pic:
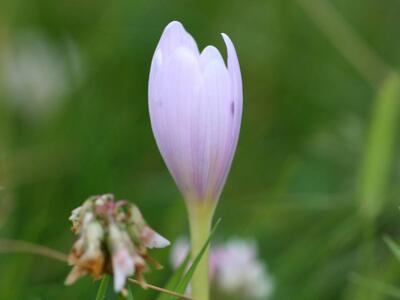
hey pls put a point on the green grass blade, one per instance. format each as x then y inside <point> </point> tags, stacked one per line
<point>379,151</point>
<point>376,285</point>
<point>173,282</point>
<point>130,294</point>
<point>393,246</point>
<point>102,291</point>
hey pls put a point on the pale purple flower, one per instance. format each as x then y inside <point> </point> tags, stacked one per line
<point>195,104</point>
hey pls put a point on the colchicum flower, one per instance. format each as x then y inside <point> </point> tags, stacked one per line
<point>195,104</point>
<point>113,238</point>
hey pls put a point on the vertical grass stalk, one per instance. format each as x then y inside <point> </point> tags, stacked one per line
<point>376,165</point>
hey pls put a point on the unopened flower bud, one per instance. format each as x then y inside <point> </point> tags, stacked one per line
<point>195,105</point>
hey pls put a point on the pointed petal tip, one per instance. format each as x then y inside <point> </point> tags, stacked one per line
<point>224,35</point>
<point>175,35</point>
<point>227,40</point>
<point>233,61</point>
<point>174,25</point>
<point>231,51</point>
<point>174,28</point>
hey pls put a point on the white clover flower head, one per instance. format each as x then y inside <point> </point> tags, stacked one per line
<point>235,268</point>
<point>113,237</point>
<point>240,271</point>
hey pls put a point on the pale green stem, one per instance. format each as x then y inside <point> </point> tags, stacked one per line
<point>200,218</point>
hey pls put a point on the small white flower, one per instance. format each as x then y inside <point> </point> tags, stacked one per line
<point>240,271</point>
<point>235,268</point>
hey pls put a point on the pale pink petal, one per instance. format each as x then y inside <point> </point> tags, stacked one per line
<point>123,267</point>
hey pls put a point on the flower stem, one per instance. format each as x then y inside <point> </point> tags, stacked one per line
<point>200,217</point>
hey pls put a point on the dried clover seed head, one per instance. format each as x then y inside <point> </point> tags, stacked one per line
<point>113,237</point>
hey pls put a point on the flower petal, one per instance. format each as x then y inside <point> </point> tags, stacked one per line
<point>173,94</point>
<point>237,88</point>
<point>217,119</point>
<point>237,102</point>
<point>123,267</point>
<point>175,36</point>
<point>209,54</point>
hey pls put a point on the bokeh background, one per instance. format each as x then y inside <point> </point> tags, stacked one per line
<point>316,175</point>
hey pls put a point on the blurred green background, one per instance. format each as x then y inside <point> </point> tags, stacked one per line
<point>316,174</point>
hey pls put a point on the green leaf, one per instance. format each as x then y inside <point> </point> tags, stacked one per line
<point>101,293</point>
<point>172,284</point>
<point>128,297</point>
<point>189,274</point>
<point>130,294</point>
<point>378,157</point>
<point>393,246</point>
